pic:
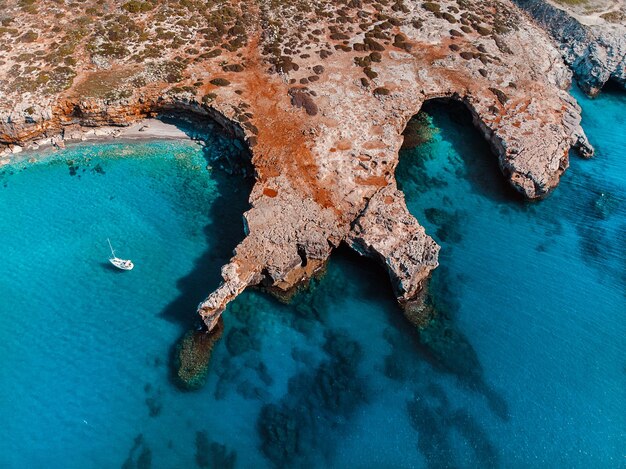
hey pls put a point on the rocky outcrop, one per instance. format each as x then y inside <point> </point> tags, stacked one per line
<point>386,231</point>
<point>323,112</point>
<point>594,47</point>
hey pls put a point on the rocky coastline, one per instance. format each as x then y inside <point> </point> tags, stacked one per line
<point>323,114</point>
<point>593,45</point>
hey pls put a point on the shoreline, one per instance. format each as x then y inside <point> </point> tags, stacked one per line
<point>141,130</point>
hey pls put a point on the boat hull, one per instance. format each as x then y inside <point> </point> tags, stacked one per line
<point>122,264</point>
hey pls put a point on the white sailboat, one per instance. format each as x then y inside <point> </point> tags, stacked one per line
<point>122,264</point>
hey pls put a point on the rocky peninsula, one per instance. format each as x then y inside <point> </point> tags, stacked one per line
<point>321,93</point>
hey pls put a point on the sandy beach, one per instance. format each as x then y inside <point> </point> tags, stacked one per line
<point>145,129</point>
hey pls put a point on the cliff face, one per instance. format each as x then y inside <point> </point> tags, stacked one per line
<point>593,45</point>
<point>320,91</point>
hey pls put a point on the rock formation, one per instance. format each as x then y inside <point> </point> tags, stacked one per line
<point>591,37</point>
<point>320,91</point>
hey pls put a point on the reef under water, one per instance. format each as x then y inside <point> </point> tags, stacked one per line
<point>522,364</point>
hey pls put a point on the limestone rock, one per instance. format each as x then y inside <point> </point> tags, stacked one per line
<point>387,231</point>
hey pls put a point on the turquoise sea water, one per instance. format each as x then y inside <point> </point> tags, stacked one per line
<point>524,367</point>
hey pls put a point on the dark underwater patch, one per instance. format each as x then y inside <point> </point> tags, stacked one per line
<point>210,454</point>
<point>450,351</point>
<point>297,430</point>
<point>419,130</point>
<point>241,340</point>
<point>412,175</point>
<point>435,418</point>
<point>190,357</point>
<point>449,224</point>
<point>427,418</point>
<point>98,169</point>
<point>441,345</point>
<point>139,456</point>
<point>242,369</point>
<point>154,400</point>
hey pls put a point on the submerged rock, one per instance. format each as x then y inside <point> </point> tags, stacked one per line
<point>419,312</point>
<point>241,340</point>
<point>419,130</point>
<point>139,456</point>
<point>212,455</point>
<point>192,356</point>
<point>449,348</point>
<point>449,224</point>
<point>439,423</point>
<point>318,401</point>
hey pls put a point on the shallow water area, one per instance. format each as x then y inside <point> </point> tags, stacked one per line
<point>523,367</point>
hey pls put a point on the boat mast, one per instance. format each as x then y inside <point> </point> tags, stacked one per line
<point>112,251</point>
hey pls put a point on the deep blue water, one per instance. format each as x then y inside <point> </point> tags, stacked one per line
<point>525,365</point>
